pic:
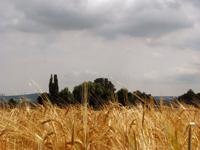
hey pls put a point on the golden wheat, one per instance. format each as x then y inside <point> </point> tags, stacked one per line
<point>112,128</point>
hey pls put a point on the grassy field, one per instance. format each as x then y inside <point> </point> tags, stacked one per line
<point>112,128</point>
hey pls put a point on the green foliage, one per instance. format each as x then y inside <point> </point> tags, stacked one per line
<point>66,96</point>
<point>44,98</point>
<point>142,95</point>
<point>62,98</point>
<point>99,92</point>
<point>53,86</point>
<point>105,83</point>
<point>190,98</point>
<point>12,103</point>
<point>125,97</point>
<point>95,91</point>
<point>108,88</point>
<point>146,97</point>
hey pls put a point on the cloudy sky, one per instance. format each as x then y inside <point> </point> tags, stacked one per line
<point>147,45</point>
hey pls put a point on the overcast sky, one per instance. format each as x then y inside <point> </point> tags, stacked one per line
<point>147,45</point>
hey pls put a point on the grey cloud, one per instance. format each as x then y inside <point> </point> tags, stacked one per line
<point>140,19</point>
<point>192,42</point>
<point>149,19</point>
<point>195,3</point>
<point>65,19</point>
<point>179,80</point>
<point>173,4</point>
<point>155,21</point>
<point>47,16</point>
<point>180,40</point>
<point>187,78</point>
<point>154,26</point>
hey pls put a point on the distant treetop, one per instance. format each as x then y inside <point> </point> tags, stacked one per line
<point>190,98</point>
<point>53,85</point>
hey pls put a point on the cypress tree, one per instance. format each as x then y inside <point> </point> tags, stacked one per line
<point>53,86</point>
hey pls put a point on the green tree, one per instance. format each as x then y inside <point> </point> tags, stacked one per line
<point>54,96</point>
<point>54,92</point>
<point>12,103</point>
<point>44,98</point>
<point>147,98</point>
<point>95,92</point>
<point>66,96</point>
<point>190,98</point>
<point>198,96</point>
<point>53,86</point>
<point>108,88</point>
<point>105,83</point>
<point>125,97</point>
<point>122,96</point>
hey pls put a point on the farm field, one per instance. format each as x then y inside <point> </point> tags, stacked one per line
<point>114,127</point>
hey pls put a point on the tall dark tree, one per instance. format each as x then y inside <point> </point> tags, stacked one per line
<point>53,86</point>
<point>122,96</point>
<point>53,95</point>
<point>61,99</point>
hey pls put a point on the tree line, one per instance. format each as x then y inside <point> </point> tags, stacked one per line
<point>190,98</point>
<point>99,92</point>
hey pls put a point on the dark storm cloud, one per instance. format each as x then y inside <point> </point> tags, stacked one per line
<point>156,25</point>
<point>47,16</point>
<point>150,19</point>
<point>195,3</point>
<point>65,19</point>
<point>137,19</point>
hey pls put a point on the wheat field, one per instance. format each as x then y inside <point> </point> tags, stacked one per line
<point>114,127</point>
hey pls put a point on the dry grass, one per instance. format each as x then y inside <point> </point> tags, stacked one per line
<point>113,127</point>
